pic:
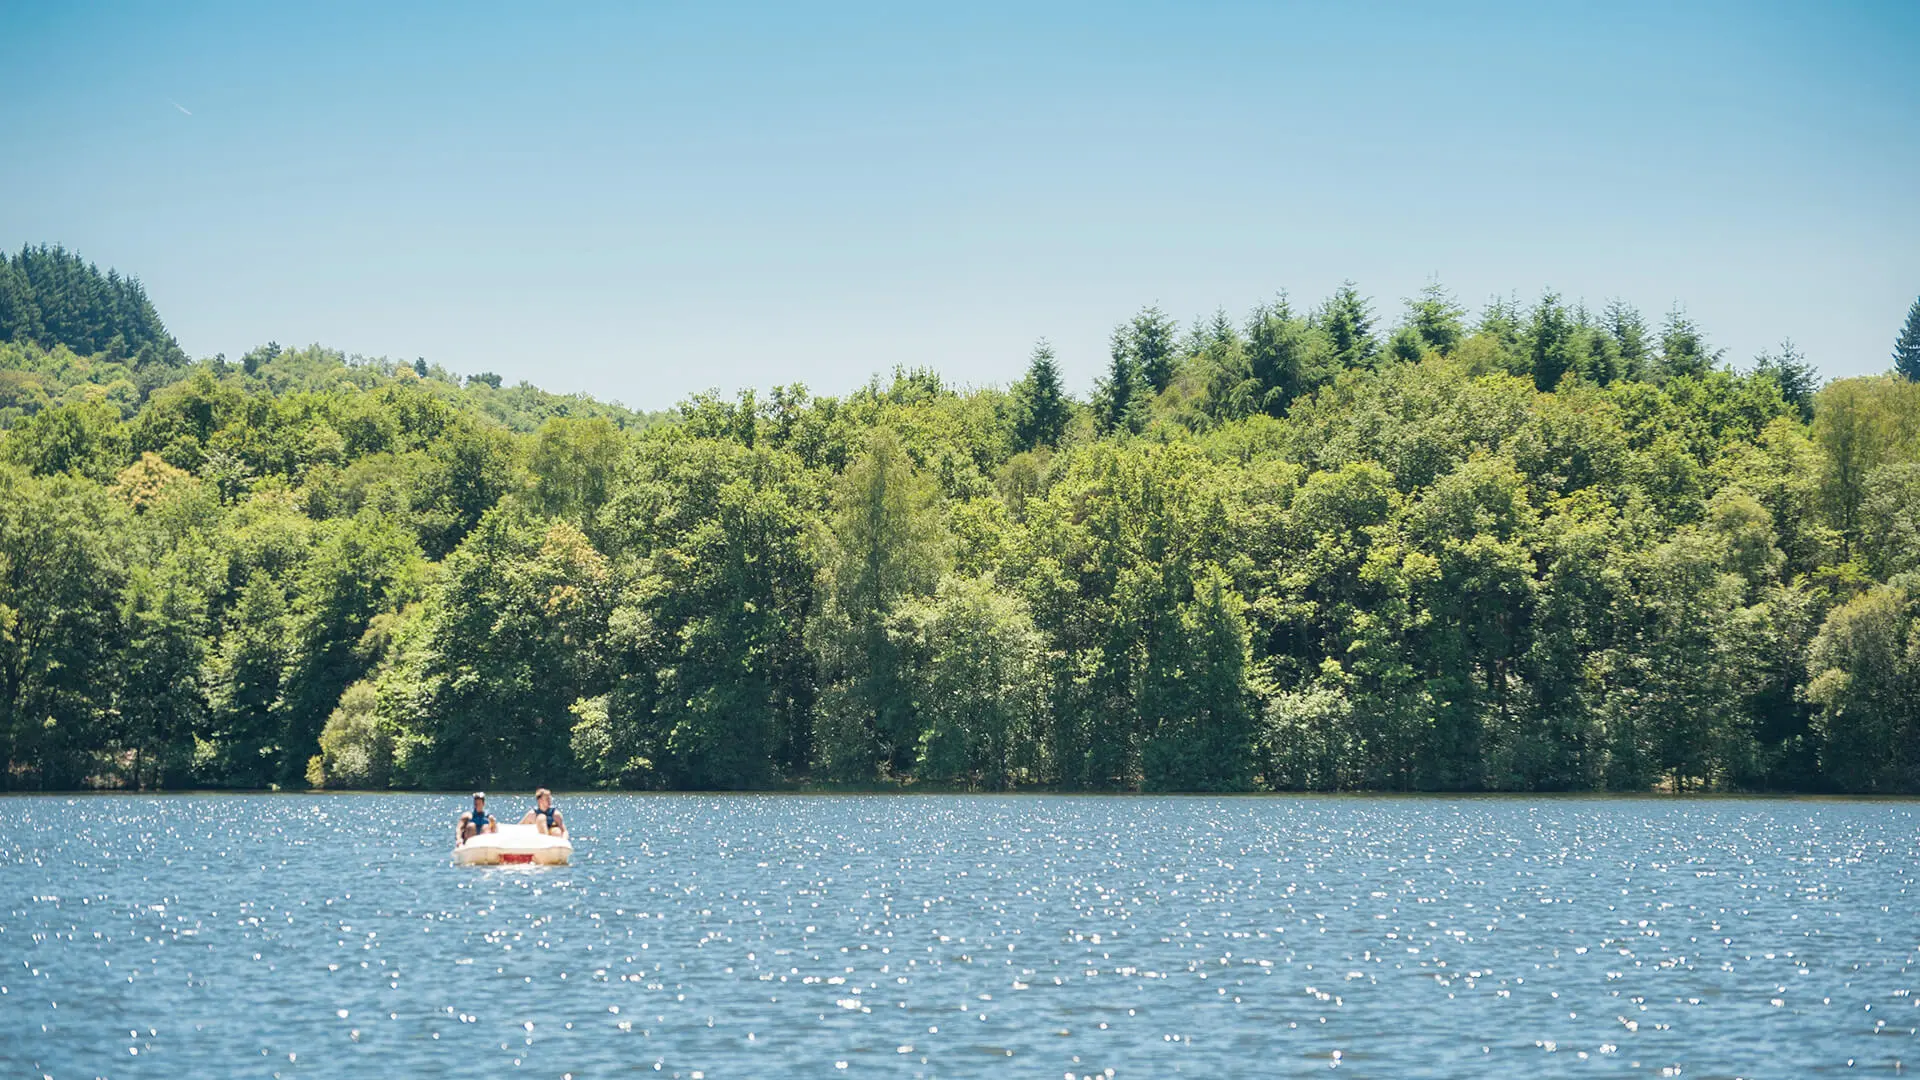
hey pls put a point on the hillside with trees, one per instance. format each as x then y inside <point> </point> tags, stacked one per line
<point>1538,548</point>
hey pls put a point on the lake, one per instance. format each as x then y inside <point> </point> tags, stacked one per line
<point>1047,936</point>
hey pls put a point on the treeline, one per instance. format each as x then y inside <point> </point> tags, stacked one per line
<point>1538,549</point>
<point>50,296</point>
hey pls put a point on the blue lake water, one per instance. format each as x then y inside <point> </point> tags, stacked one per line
<point>722,936</point>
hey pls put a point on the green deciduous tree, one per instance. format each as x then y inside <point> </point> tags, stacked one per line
<point>61,576</point>
<point>1866,688</point>
<point>1861,424</point>
<point>981,691</point>
<point>1890,520</point>
<point>1205,740</point>
<point>360,568</point>
<point>515,635</point>
<point>1560,552</point>
<point>712,683</point>
<point>244,677</point>
<point>573,464</point>
<point>886,547</point>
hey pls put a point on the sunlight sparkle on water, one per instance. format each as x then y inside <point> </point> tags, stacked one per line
<point>933,935</point>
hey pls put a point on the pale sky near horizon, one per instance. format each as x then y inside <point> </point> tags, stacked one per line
<point>645,200</point>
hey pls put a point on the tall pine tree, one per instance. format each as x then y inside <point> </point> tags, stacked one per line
<point>1683,348</point>
<point>1790,371</point>
<point>1629,332</point>
<point>1152,336</point>
<point>1906,348</point>
<point>1436,317</point>
<point>1347,320</point>
<point>1277,356</point>
<point>1040,406</point>
<point>1550,341</point>
<point>1120,399</point>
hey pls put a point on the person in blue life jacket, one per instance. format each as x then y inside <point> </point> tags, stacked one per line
<point>544,816</point>
<point>477,821</point>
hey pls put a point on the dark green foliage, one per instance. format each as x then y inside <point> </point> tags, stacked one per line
<point>1550,342</point>
<point>51,297</point>
<point>1790,371</point>
<point>19,313</point>
<point>1121,400</point>
<point>1040,407</point>
<point>980,689</point>
<point>61,577</point>
<point>1866,685</point>
<point>1906,347</point>
<point>711,681</point>
<point>884,551</point>
<point>1150,340</point>
<point>1543,555</point>
<point>1347,320</point>
<point>359,569</point>
<point>1218,355</point>
<point>1501,322</point>
<point>512,638</point>
<point>1205,741</point>
<point>1629,333</point>
<point>244,679</point>
<point>1280,358</point>
<point>1683,350</point>
<point>1436,319</point>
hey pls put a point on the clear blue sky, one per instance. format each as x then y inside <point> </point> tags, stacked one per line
<point>643,200</point>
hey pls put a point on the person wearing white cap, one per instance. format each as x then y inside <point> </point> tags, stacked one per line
<point>476,821</point>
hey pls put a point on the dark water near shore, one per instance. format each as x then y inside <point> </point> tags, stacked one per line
<point>933,935</point>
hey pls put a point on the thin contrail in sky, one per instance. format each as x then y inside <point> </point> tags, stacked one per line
<point>179,106</point>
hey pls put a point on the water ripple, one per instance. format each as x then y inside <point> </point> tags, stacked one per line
<point>1046,936</point>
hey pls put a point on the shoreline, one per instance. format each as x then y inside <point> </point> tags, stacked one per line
<point>1030,793</point>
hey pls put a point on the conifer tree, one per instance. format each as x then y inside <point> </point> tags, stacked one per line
<point>1152,336</point>
<point>19,315</point>
<point>1120,399</point>
<point>1790,371</point>
<point>1220,355</point>
<point>1550,342</point>
<point>52,297</point>
<point>1629,332</point>
<point>1277,356</point>
<point>1596,353</point>
<point>1347,320</point>
<point>1906,348</point>
<point>1683,348</point>
<point>1040,407</point>
<point>1500,320</point>
<point>1435,316</point>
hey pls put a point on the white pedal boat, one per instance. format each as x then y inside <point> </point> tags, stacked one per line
<point>515,844</point>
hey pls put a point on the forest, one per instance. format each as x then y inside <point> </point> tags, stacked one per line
<point>1536,547</point>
